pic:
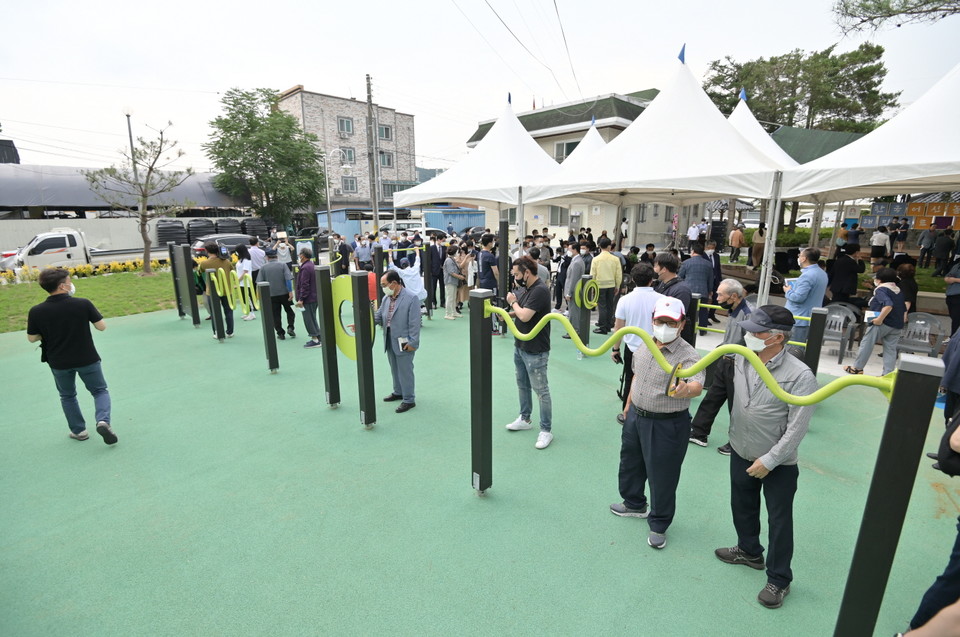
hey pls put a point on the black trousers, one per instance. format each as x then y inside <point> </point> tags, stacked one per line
<point>437,282</point>
<point>945,590</point>
<point>653,450</point>
<point>627,354</point>
<point>925,255</point>
<point>606,306</point>
<point>778,488</point>
<point>282,300</point>
<point>953,308</point>
<point>721,391</point>
<point>558,290</point>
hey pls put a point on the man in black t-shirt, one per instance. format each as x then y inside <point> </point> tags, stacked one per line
<point>529,306</point>
<point>62,325</point>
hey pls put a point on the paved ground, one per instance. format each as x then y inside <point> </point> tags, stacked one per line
<point>236,503</point>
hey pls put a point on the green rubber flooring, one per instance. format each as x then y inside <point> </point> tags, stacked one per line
<point>237,503</point>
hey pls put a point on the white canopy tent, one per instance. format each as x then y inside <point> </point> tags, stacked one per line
<point>491,174</point>
<point>918,150</point>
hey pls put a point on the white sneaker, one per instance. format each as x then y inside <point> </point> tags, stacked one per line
<point>544,440</point>
<point>520,424</point>
<point>450,318</point>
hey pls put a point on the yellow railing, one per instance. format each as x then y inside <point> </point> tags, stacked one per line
<point>883,383</point>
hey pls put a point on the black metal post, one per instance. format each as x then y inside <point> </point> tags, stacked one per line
<point>269,330</point>
<point>818,323</point>
<point>481,392</point>
<point>187,266</point>
<point>503,259</point>
<point>316,250</point>
<point>216,310</point>
<point>331,373</point>
<point>691,326</point>
<point>172,252</point>
<point>364,334</point>
<point>901,447</point>
<point>378,255</point>
<point>583,329</point>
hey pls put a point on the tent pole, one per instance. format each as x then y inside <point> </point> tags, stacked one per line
<point>836,229</point>
<point>815,224</point>
<point>773,214</point>
<point>521,221</point>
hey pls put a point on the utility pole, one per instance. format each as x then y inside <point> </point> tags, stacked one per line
<point>374,153</point>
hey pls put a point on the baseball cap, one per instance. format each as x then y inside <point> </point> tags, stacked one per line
<point>769,317</point>
<point>668,307</point>
<point>271,252</point>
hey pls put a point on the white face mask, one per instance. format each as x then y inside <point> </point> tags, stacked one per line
<point>570,253</point>
<point>583,252</point>
<point>665,333</point>
<point>72,290</point>
<point>709,253</point>
<point>754,343</point>
<point>386,291</point>
<point>800,263</point>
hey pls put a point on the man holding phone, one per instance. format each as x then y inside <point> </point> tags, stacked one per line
<point>399,314</point>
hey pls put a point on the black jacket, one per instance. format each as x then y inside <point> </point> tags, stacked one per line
<point>843,276</point>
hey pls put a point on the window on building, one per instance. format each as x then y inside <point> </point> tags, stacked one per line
<point>559,216</point>
<point>345,125</point>
<point>386,159</point>
<point>349,155</point>
<point>349,184</point>
<point>562,150</point>
<point>512,216</point>
<point>389,188</point>
<point>385,132</point>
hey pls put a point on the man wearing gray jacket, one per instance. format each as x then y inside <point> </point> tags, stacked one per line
<point>575,271</point>
<point>765,433</point>
<point>399,314</point>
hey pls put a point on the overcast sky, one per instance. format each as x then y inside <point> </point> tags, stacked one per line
<point>70,69</point>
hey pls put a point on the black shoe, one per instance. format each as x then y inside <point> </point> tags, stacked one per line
<point>734,555</point>
<point>281,336</point>
<point>933,456</point>
<point>291,333</point>
<point>772,596</point>
<point>392,397</point>
<point>405,407</point>
<point>714,320</point>
<point>103,428</point>
<point>600,330</point>
<point>700,441</point>
<point>725,450</point>
<point>567,336</point>
<point>936,465</point>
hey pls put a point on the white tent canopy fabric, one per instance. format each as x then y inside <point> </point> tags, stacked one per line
<point>581,157</point>
<point>916,151</point>
<point>680,150</point>
<point>491,174</point>
<point>747,125</point>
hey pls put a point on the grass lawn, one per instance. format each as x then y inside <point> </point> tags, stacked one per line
<point>114,295</point>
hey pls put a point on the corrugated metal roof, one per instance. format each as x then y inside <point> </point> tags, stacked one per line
<point>936,197</point>
<point>807,144</point>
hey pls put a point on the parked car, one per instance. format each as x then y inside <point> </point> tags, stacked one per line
<point>311,232</point>
<point>473,232</point>
<point>411,228</point>
<point>229,240</point>
<point>60,247</point>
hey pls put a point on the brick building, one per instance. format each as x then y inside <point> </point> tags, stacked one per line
<point>341,123</point>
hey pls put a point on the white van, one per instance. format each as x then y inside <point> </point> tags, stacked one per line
<point>829,218</point>
<point>60,247</point>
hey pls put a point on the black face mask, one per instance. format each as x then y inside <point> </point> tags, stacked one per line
<point>726,306</point>
<point>521,283</point>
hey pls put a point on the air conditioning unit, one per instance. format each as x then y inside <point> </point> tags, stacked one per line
<point>338,191</point>
<point>344,135</point>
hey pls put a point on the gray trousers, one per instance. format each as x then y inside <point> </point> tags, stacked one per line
<point>401,368</point>
<point>574,314</point>
<point>884,334</point>
<point>310,320</point>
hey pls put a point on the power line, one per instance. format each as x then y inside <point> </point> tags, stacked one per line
<point>492,48</point>
<point>542,63</point>
<point>138,88</point>
<point>565,46</point>
<point>79,130</point>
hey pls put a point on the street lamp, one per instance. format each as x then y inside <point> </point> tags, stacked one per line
<point>133,160</point>
<point>345,169</point>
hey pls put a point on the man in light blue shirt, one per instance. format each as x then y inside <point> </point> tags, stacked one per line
<point>806,292</point>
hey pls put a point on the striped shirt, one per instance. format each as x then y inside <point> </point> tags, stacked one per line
<point>650,381</point>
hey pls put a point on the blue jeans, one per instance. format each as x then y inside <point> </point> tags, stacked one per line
<point>532,374</point>
<point>92,377</point>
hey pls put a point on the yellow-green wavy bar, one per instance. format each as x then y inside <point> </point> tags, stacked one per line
<point>883,383</point>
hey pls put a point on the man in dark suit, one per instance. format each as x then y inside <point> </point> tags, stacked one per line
<point>842,281</point>
<point>437,256</point>
<point>711,255</point>
<point>399,314</point>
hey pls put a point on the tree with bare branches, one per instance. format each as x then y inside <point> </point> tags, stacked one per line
<point>870,15</point>
<point>138,183</point>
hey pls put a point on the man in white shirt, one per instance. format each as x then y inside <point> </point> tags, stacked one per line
<point>257,257</point>
<point>693,233</point>
<point>634,310</point>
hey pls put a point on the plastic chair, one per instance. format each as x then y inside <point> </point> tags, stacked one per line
<point>841,323</point>
<point>922,333</point>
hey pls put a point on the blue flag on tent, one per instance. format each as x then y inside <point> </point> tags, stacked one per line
<point>593,120</point>
<point>683,54</point>
<point>743,94</point>
<point>509,99</point>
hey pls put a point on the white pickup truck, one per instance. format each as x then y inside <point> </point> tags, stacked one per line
<point>59,247</point>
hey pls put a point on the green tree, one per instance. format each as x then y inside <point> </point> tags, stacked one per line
<point>870,15</point>
<point>262,153</point>
<point>138,183</point>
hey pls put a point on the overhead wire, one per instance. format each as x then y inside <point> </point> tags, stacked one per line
<point>93,84</point>
<point>567,47</point>
<point>492,48</point>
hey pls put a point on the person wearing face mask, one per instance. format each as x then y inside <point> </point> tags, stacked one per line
<point>732,297</point>
<point>607,271</point>
<point>575,271</point>
<point>765,433</point>
<point>564,257</point>
<point>649,255</point>
<point>885,327</point>
<point>807,291</point>
<point>363,254</point>
<point>697,273</point>
<point>62,326</point>
<point>399,314</point>
<point>653,442</point>
<point>530,358</point>
<point>669,284</point>
<point>710,254</point>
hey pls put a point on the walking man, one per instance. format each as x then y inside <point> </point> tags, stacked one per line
<point>399,314</point>
<point>653,442</point>
<point>62,326</point>
<point>281,292</point>
<point>608,273</point>
<point>530,358</point>
<point>307,297</point>
<point>765,433</point>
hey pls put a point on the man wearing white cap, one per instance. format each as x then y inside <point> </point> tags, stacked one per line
<point>654,438</point>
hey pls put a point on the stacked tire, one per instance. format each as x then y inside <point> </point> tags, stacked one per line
<point>170,230</point>
<point>256,227</point>
<point>197,228</point>
<point>228,226</point>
